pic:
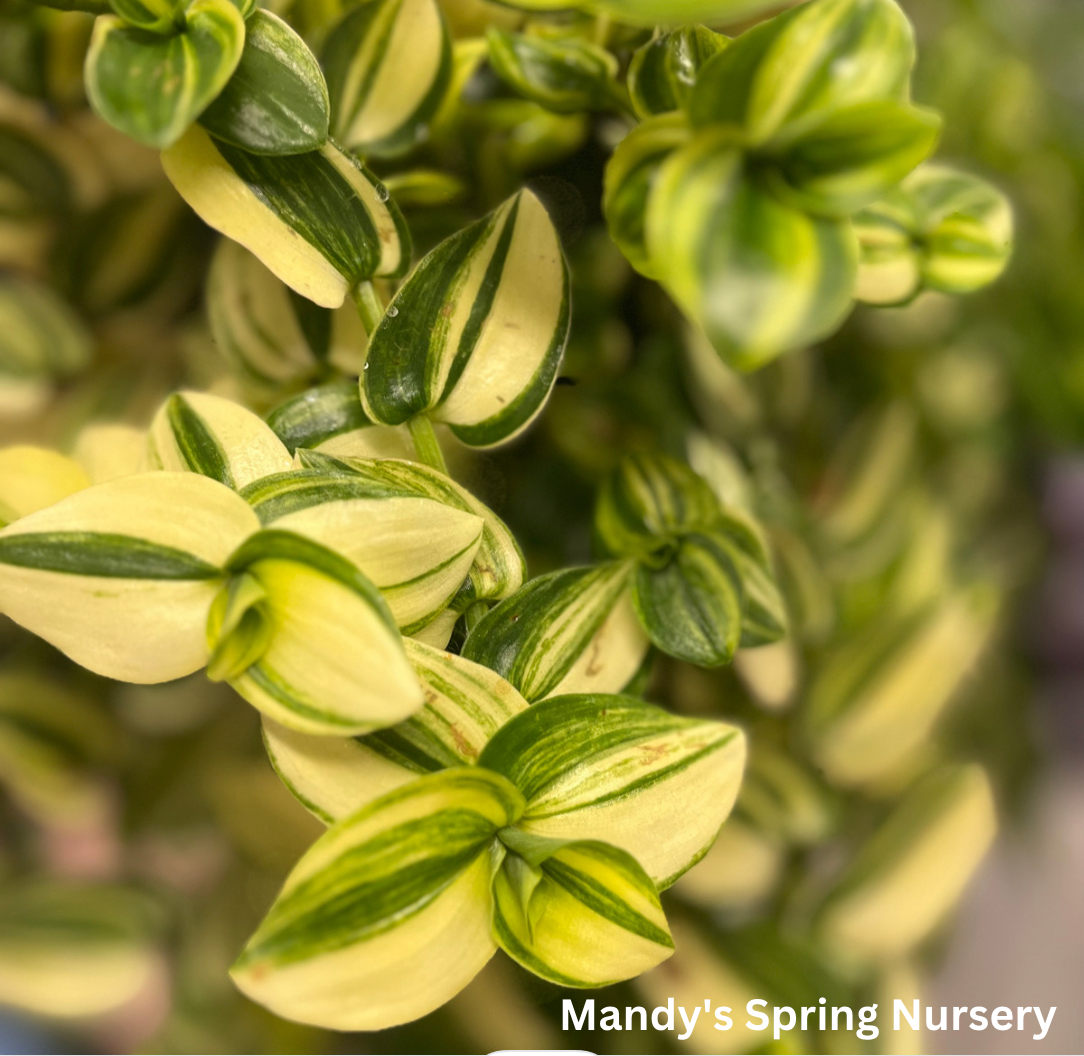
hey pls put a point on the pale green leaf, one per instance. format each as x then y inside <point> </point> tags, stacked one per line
<point>32,478</point>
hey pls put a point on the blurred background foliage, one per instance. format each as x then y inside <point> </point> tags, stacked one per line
<point>900,470</point>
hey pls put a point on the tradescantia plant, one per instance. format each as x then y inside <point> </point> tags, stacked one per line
<point>477,740</point>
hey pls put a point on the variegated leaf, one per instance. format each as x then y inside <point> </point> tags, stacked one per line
<point>201,433</point>
<point>107,450</point>
<point>877,698</point>
<point>388,915</point>
<point>329,419</point>
<point>563,75</point>
<point>389,65</point>
<point>648,500</point>
<point>764,612</point>
<point>692,605</point>
<point>630,177</point>
<point>121,576</point>
<point>713,226</point>
<point>580,913</point>
<point>40,335</point>
<point>853,155</point>
<point>890,264</point>
<point>906,879</point>
<point>475,335</point>
<point>816,58</point>
<point>304,637</point>
<point>156,16</point>
<point>320,221</point>
<point>153,86</point>
<point>657,12</point>
<point>465,705</point>
<point>663,72</point>
<point>616,766</point>
<point>498,568</point>
<point>416,547</point>
<point>32,478</point>
<point>276,102</point>
<point>567,631</point>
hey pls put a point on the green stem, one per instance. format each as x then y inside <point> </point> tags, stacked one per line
<point>474,615</point>
<point>426,444</point>
<point>369,305</point>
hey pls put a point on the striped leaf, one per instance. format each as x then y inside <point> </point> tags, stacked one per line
<point>565,76</point>
<point>32,478</point>
<point>155,16</point>
<point>648,500</point>
<point>475,335</point>
<point>580,913</point>
<point>692,606</point>
<point>764,612</point>
<point>465,705</point>
<point>713,226</point>
<point>907,878</point>
<point>416,547</point>
<point>630,176</point>
<point>201,433</point>
<point>268,335</point>
<point>34,180</point>
<point>657,12</point>
<point>942,229</point>
<point>877,699</point>
<point>307,639</point>
<point>40,336</point>
<point>319,221</point>
<point>854,155</point>
<point>152,86</point>
<point>276,102</point>
<point>389,65</point>
<point>600,765</point>
<point>329,419</point>
<point>388,915</point>
<point>794,69</point>
<point>498,568</point>
<point>121,576</point>
<point>663,72</point>
<point>565,632</point>
<point>966,226</point>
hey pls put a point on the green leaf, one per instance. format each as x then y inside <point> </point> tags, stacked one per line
<point>393,903</point>
<point>276,102</point>
<point>630,177</point>
<point>906,879</point>
<point>389,65</point>
<point>854,155</point>
<point>648,500</point>
<point>760,277</point>
<point>333,661</point>
<point>200,433</point>
<point>155,16</point>
<point>563,632</point>
<point>589,916</point>
<point>152,87</point>
<point>318,415</point>
<point>657,12</point>
<point>319,221</point>
<point>608,765</point>
<point>121,576</point>
<point>40,335</point>
<point>890,262</point>
<point>465,705</point>
<point>663,72</point>
<point>474,337</point>
<point>691,607</point>
<point>801,65</point>
<point>965,227</point>
<point>764,612</point>
<point>565,76</point>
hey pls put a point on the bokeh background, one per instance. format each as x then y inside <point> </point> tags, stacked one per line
<point>922,475</point>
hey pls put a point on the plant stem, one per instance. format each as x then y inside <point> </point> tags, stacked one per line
<point>369,305</point>
<point>426,444</point>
